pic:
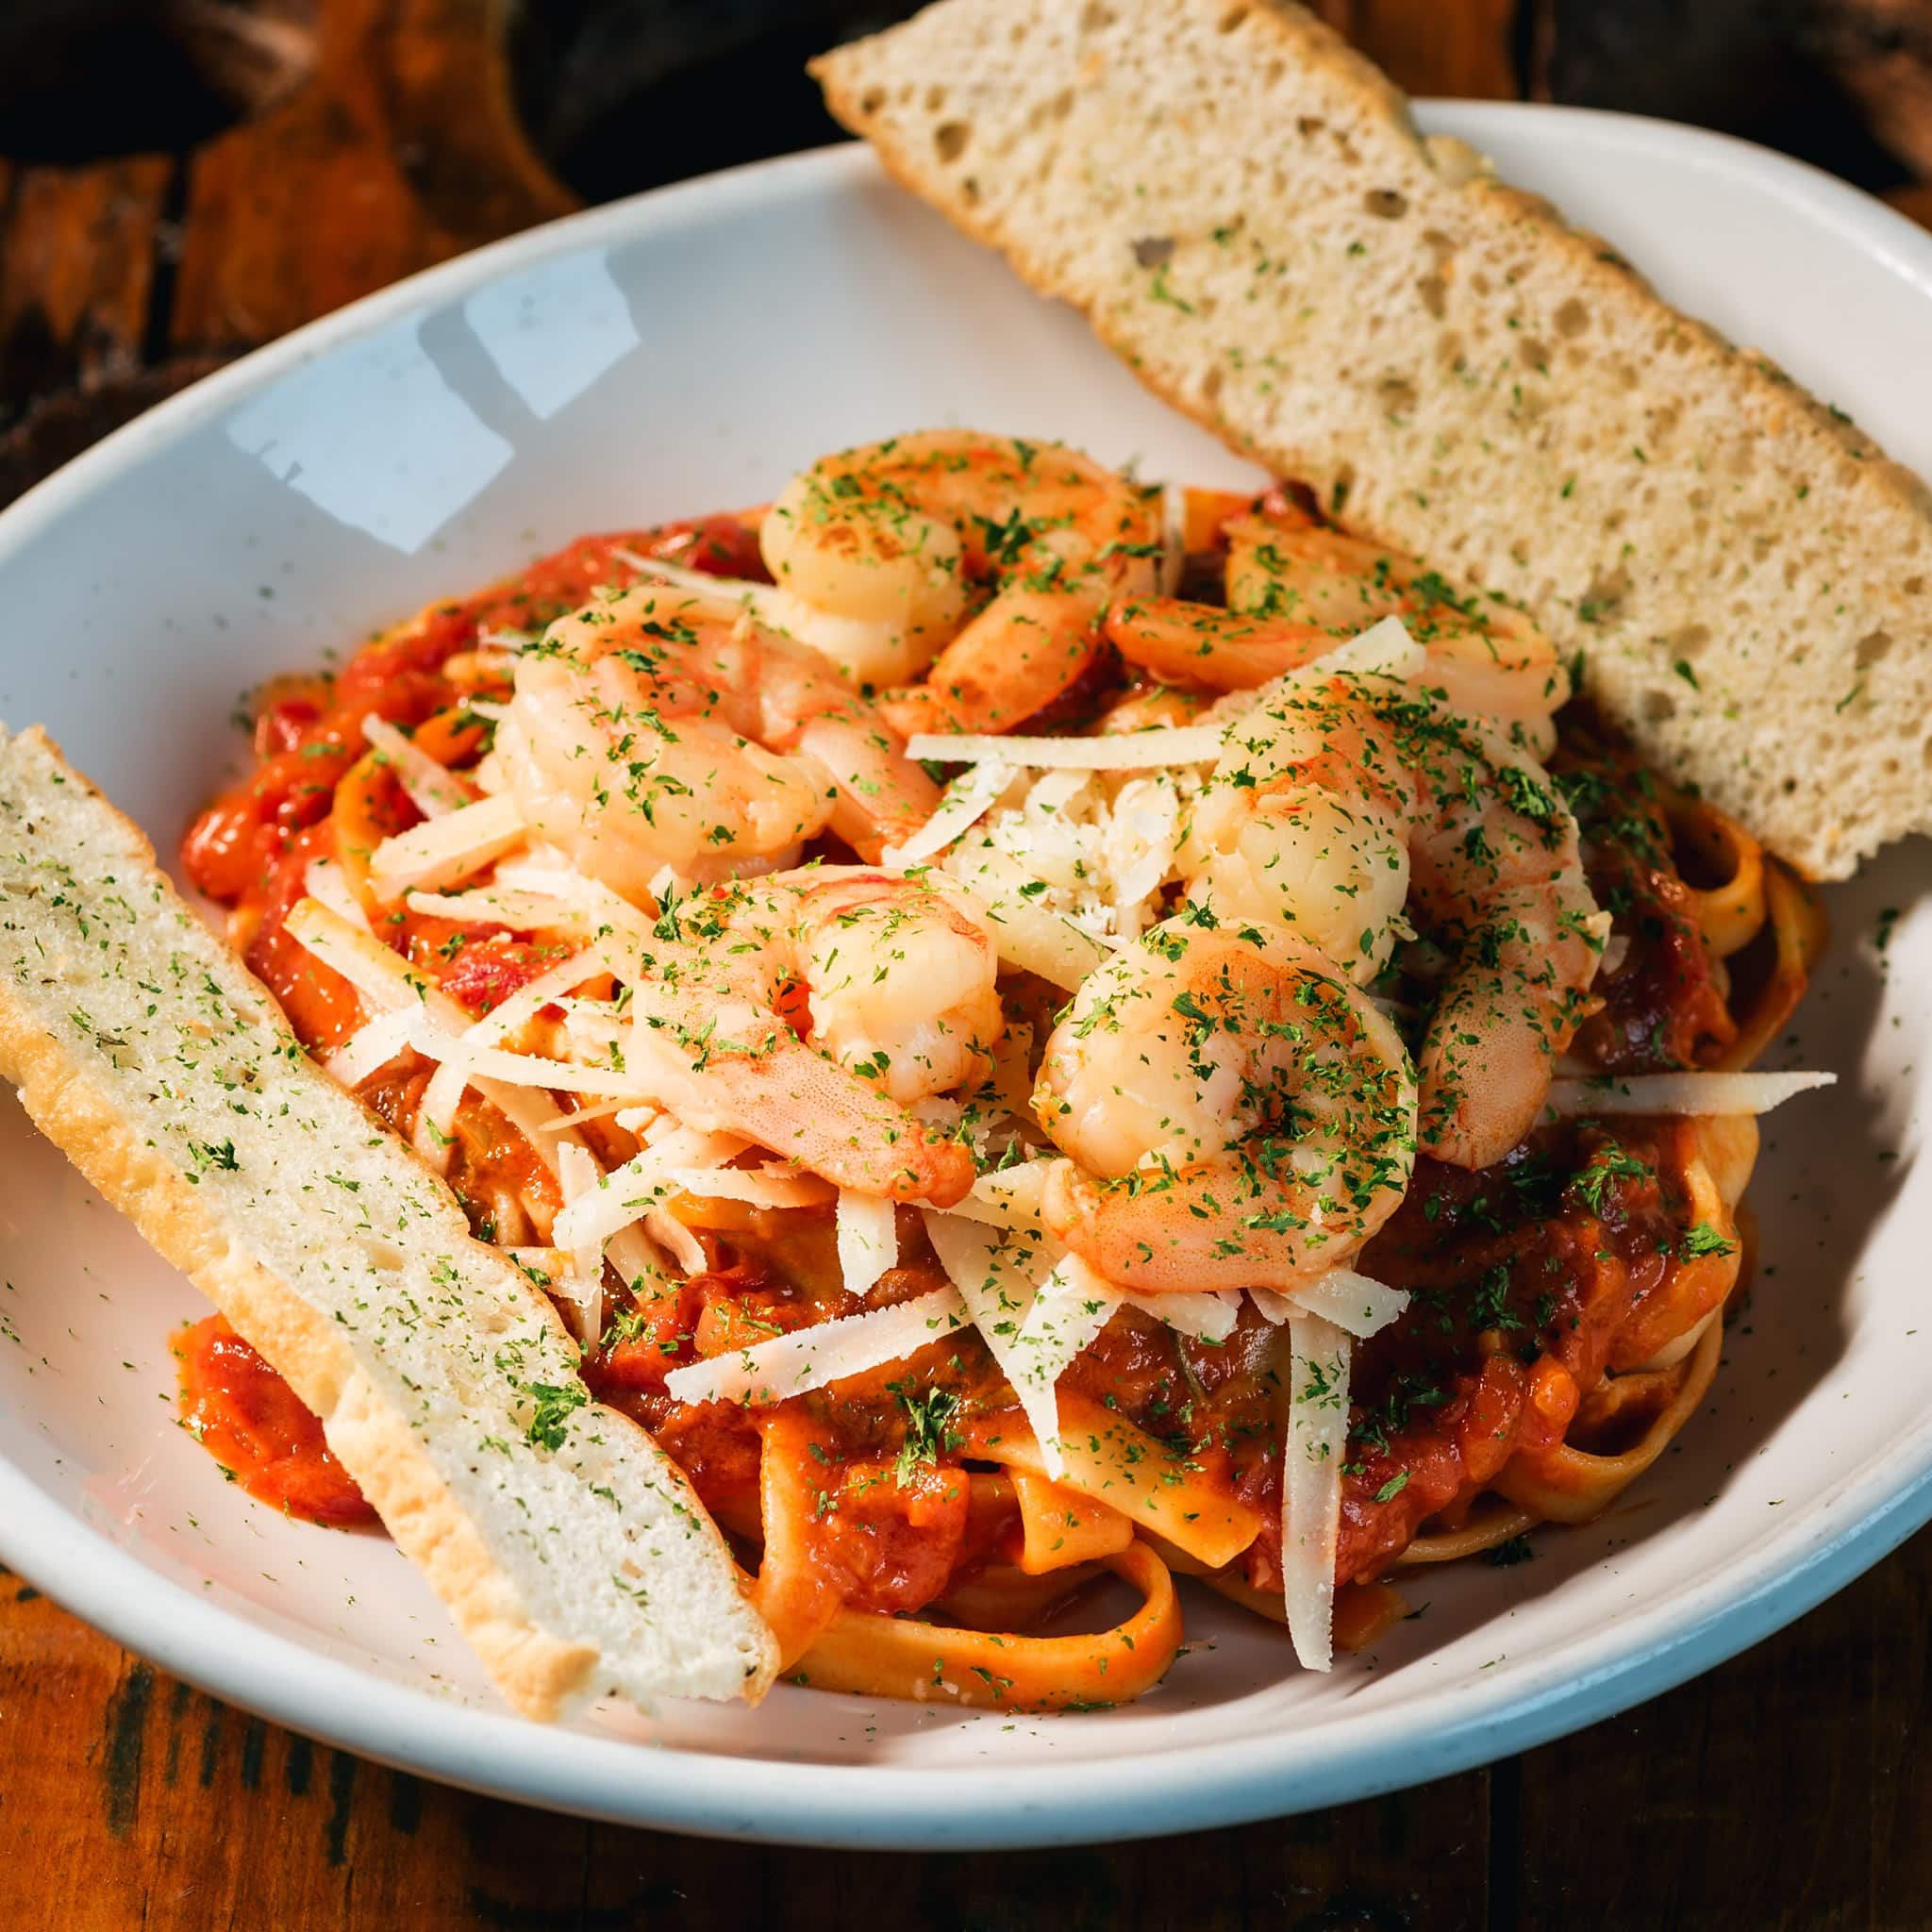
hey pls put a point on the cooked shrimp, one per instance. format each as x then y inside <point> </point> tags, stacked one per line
<point>900,980</point>
<point>1306,823</point>
<point>1499,879</point>
<point>1331,800</point>
<point>1294,588</point>
<point>900,534</point>
<point>659,728</point>
<point>897,982</point>
<point>1235,1113</point>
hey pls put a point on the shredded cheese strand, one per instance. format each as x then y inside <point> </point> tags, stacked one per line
<point>1007,1197</point>
<point>1700,1094</point>
<point>999,1283</point>
<point>1313,1454</point>
<point>369,1049</point>
<point>868,1238</point>
<point>580,1286</point>
<point>521,1068</point>
<point>1205,1317</point>
<point>966,800</point>
<point>440,851</point>
<point>628,1192</point>
<point>327,885</point>
<point>427,785</point>
<point>1179,745</point>
<point>824,1353</point>
<point>1362,1306</point>
<point>760,1187</point>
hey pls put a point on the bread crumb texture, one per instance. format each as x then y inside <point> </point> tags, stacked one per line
<point>1247,214</point>
<point>568,1547</point>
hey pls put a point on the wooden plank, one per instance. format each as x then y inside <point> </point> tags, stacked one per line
<point>143,1802</point>
<point>1788,1789</point>
<point>400,149</point>
<point>177,1812</point>
<point>1915,201</point>
<point>1431,48</point>
<point>77,257</point>
<point>1413,1859</point>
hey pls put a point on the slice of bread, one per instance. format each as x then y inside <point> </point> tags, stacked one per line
<point>568,1547</point>
<point>1244,210</point>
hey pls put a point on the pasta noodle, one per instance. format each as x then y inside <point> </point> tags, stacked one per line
<point>898,1656</point>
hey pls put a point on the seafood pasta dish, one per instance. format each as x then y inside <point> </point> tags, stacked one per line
<point>1041,1033</point>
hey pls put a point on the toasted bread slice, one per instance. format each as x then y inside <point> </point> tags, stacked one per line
<point>568,1547</point>
<point>1245,212</point>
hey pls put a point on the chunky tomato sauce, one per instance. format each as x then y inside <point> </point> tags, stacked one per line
<point>1522,1276</point>
<point>255,1425</point>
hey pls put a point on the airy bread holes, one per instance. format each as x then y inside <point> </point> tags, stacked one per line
<point>1571,319</point>
<point>1386,204</point>
<point>949,140</point>
<point>1606,592</point>
<point>1094,18</point>
<point>1871,648</point>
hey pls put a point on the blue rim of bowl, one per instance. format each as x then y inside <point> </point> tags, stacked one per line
<point>1846,1529</point>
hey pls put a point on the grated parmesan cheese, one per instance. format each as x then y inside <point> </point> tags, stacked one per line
<point>433,791</point>
<point>1313,1455</point>
<point>440,851</point>
<point>1357,1303</point>
<point>1685,1093</point>
<point>868,1236</point>
<point>821,1354</point>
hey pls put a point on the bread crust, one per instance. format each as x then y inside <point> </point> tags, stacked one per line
<point>541,1672</point>
<point>1764,769</point>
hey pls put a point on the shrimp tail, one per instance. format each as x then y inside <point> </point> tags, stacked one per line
<point>1486,1067</point>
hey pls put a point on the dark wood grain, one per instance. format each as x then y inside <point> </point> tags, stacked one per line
<point>1466,49</point>
<point>78,252</point>
<point>365,139</point>
<point>179,1813</point>
<point>1787,1789</point>
<point>399,150</point>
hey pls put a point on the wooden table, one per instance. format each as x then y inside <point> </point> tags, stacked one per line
<point>371,137</point>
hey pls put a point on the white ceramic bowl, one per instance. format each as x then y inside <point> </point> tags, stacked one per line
<point>684,352</point>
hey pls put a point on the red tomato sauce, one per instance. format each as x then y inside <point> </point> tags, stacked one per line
<point>255,1425</point>
<point>1520,1278</point>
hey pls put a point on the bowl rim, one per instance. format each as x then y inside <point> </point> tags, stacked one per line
<point>1845,1530</point>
